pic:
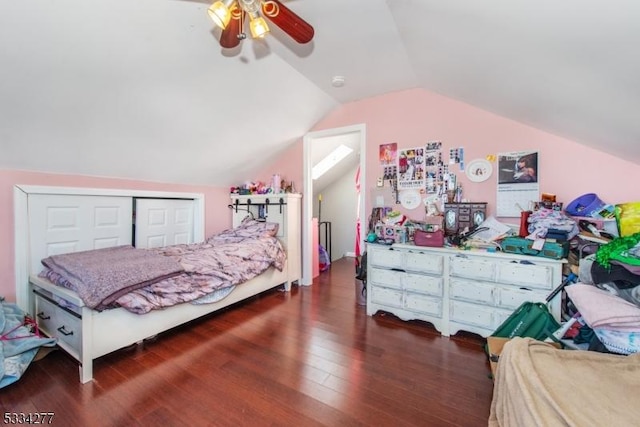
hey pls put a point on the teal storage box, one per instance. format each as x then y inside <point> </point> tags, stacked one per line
<point>522,246</point>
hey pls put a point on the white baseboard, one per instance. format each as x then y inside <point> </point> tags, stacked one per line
<point>350,254</point>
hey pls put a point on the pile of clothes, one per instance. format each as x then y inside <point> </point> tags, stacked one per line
<point>607,296</point>
<point>19,343</point>
<point>544,221</point>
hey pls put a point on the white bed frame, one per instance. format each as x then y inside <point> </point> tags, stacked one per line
<point>87,334</point>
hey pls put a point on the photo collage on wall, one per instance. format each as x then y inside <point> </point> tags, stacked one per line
<point>421,168</point>
<point>436,169</point>
<point>411,168</point>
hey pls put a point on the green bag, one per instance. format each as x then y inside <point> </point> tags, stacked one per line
<point>531,319</point>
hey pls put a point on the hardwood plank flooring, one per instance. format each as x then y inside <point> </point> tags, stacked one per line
<point>311,357</point>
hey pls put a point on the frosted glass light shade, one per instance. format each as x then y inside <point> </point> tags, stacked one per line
<point>258,27</point>
<point>220,14</point>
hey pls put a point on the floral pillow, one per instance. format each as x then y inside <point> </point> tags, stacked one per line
<point>249,228</point>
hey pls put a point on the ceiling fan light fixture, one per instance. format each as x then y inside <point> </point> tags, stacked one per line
<point>220,13</point>
<point>233,15</point>
<point>258,26</point>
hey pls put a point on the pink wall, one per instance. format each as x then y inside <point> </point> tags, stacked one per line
<point>217,216</point>
<point>412,118</point>
<point>288,166</point>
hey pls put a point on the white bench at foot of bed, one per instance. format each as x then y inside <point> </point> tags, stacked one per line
<point>87,334</point>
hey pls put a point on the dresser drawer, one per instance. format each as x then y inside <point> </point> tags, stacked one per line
<point>386,278</point>
<point>386,296</point>
<point>423,284</point>
<point>472,268</point>
<point>527,274</point>
<point>467,290</point>
<point>426,262</point>
<point>511,297</point>
<point>423,304</point>
<point>385,257</point>
<point>472,314</point>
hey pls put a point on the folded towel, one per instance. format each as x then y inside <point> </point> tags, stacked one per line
<point>602,309</point>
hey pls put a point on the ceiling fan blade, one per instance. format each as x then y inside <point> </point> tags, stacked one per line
<point>230,36</point>
<point>289,22</point>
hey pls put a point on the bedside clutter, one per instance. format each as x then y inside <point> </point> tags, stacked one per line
<point>433,239</point>
<point>461,216</point>
<point>523,246</point>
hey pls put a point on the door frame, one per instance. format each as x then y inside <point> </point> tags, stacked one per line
<point>307,200</point>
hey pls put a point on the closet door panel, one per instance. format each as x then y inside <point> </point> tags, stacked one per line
<point>163,222</point>
<point>57,219</point>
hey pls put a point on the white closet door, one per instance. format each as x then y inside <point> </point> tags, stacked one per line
<point>164,222</point>
<point>68,223</point>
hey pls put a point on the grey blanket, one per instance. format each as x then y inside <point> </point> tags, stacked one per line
<point>101,276</point>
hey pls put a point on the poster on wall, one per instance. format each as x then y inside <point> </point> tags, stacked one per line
<point>411,170</point>
<point>456,156</point>
<point>518,186</point>
<point>433,167</point>
<point>388,154</point>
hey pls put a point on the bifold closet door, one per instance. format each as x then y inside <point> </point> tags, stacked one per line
<point>70,223</point>
<point>163,222</point>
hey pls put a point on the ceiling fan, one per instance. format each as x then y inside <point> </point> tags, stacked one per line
<point>231,15</point>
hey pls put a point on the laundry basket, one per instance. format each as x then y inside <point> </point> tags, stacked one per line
<point>586,205</point>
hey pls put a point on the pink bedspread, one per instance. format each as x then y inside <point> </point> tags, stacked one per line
<point>100,276</point>
<point>208,268</point>
<point>222,262</point>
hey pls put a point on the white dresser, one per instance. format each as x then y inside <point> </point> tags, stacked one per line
<point>456,290</point>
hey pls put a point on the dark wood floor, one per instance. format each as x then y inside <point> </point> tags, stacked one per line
<point>306,358</point>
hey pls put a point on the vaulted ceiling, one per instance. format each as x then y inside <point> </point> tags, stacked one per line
<point>90,87</point>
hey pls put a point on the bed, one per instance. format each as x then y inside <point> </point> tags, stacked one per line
<point>537,384</point>
<point>87,333</point>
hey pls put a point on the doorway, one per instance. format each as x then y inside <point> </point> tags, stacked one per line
<point>309,140</point>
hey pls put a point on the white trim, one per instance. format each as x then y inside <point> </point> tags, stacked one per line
<point>82,191</point>
<point>307,205</point>
<point>21,229</point>
<point>21,249</point>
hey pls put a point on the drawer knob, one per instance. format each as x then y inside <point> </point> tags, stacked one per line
<point>42,316</point>
<point>63,331</point>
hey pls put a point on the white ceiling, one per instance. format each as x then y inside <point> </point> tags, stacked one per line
<point>113,82</point>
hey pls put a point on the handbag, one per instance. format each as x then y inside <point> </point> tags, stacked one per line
<point>429,238</point>
<point>531,319</point>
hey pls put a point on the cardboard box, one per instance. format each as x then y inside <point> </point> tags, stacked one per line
<point>495,345</point>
